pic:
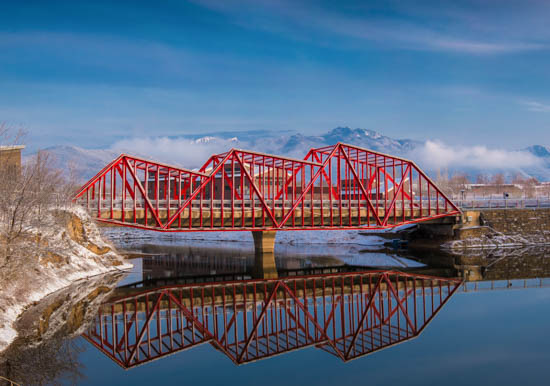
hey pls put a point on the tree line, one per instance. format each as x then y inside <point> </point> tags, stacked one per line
<point>458,183</point>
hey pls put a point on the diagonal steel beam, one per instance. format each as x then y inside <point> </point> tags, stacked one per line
<point>393,181</point>
<point>126,183</point>
<point>228,180</point>
<point>256,189</point>
<point>258,321</point>
<point>306,190</point>
<point>304,310</point>
<point>288,181</point>
<point>101,173</point>
<point>144,194</point>
<point>327,179</point>
<point>145,327</point>
<point>198,190</point>
<point>399,188</point>
<point>360,324</point>
<point>360,184</point>
<point>399,304</point>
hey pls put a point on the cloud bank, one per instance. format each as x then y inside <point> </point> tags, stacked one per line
<point>184,152</point>
<point>468,28</point>
<point>437,154</point>
<point>537,106</point>
<point>193,153</point>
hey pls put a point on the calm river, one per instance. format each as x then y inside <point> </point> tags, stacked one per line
<point>354,315</point>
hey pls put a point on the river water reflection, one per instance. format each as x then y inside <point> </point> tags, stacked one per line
<point>330,317</point>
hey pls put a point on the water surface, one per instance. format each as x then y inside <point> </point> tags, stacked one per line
<point>493,330</point>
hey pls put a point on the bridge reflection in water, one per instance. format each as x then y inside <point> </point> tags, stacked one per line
<point>346,314</point>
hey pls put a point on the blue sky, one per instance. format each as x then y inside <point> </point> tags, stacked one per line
<point>90,73</point>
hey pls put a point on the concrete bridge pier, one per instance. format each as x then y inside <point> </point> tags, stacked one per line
<point>264,266</point>
<point>264,252</point>
<point>264,241</point>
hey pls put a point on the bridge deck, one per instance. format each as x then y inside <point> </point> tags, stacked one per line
<point>243,215</point>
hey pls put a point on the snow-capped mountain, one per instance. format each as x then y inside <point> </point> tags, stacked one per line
<point>542,171</point>
<point>539,151</point>
<point>85,163</point>
<point>191,151</point>
<point>370,139</point>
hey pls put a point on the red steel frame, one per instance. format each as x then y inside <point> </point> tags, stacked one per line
<point>348,315</point>
<point>335,187</point>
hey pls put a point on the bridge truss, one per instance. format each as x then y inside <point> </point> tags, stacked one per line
<point>348,315</point>
<point>334,187</point>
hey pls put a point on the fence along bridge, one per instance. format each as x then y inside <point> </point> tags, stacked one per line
<point>335,187</point>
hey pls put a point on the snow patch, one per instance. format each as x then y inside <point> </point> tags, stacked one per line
<point>37,281</point>
<point>497,241</point>
<point>125,236</point>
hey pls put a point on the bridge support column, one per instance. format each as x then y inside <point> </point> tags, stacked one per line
<point>264,241</point>
<point>264,251</point>
<point>264,266</point>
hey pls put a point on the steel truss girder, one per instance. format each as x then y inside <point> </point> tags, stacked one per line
<point>348,315</point>
<point>335,187</point>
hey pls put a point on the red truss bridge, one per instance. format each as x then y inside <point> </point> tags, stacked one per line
<point>348,315</point>
<point>335,187</point>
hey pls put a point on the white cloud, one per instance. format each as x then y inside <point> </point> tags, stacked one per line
<point>190,153</point>
<point>183,152</point>
<point>480,47</point>
<point>536,106</point>
<point>437,154</point>
<point>468,31</point>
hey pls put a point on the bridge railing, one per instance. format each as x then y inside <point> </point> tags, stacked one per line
<point>503,203</point>
<point>510,284</point>
<point>106,204</point>
<point>376,190</point>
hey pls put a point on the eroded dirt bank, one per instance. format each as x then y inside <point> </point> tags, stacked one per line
<point>69,250</point>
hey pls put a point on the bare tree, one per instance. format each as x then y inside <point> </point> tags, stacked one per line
<point>51,362</point>
<point>498,180</point>
<point>25,195</point>
<point>442,181</point>
<point>518,179</point>
<point>530,187</point>
<point>482,179</point>
<point>457,183</point>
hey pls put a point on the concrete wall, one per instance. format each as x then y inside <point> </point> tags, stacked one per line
<point>516,221</point>
<point>503,264</point>
<point>489,228</point>
<point>497,228</point>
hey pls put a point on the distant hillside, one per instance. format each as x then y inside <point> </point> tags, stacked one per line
<point>296,145</point>
<point>192,151</point>
<point>542,172</point>
<point>85,162</point>
<point>539,151</point>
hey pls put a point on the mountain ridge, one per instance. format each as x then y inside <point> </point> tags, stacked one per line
<point>190,151</point>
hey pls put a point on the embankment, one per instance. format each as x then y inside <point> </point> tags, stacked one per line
<point>487,229</point>
<point>69,249</point>
<point>44,350</point>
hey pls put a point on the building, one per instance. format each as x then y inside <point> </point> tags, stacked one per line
<point>10,158</point>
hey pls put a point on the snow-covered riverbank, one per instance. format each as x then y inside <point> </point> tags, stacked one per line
<point>61,255</point>
<point>131,236</point>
